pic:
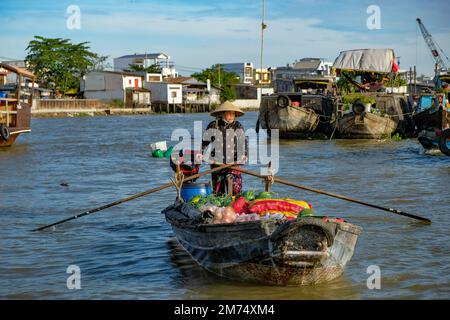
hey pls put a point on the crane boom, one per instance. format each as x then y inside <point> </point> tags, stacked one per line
<point>430,42</point>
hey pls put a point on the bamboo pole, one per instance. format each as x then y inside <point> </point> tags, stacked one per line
<point>135,196</point>
<point>295,185</point>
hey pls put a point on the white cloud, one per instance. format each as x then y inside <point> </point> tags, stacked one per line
<point>201,42</point>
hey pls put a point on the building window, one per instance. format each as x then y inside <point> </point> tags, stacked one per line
<point>129,81</point>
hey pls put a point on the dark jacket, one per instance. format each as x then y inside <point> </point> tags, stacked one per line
<point>239,141</point>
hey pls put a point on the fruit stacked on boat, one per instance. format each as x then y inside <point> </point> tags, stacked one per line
<point>249,206</point>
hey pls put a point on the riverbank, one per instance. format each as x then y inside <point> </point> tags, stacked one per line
<point>90,113</point>
<point>64,113</point>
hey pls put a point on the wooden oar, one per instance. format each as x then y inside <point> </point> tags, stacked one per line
<point>285,182</point>
<point>138,195</point>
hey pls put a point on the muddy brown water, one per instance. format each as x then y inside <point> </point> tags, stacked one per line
<point>68,165</point>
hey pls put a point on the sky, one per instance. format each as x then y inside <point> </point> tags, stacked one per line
<point>199,33</point>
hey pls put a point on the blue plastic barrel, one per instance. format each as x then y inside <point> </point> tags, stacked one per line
<point>190,190</point>
<point>2,94</point>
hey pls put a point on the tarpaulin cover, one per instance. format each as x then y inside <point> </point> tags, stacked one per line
<point>376,60</point>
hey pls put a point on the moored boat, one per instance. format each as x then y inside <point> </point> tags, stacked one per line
<point>375,114</point>
<point>304,251</point>
<point>15,104</point>
<point>296,114</point>
<point>382,119</point>
<point>432,120</point>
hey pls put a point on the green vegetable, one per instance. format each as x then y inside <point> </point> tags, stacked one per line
<point>306,213</point>
<point>226,200</point>
<point>264,195</point>
<point>195,199</point>
<point>248,195</point>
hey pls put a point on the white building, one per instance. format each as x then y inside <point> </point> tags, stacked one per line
<point>197,92</point>
<point>249,96</point>
<point>282,77</point>
<point>244,70</point>
<point>112,85</point>
<point>313,66</point>
<point>165,93</point>
<point>146,60</point>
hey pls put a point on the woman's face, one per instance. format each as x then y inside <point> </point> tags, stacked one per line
<point>229,116</point>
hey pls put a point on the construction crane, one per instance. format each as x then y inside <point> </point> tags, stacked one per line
<point>433,46</point>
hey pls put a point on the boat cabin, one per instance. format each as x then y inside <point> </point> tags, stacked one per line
<point>15,103</point>
<point>314,85</point>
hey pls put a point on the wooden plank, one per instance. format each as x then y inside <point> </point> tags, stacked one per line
<point>8,99</point>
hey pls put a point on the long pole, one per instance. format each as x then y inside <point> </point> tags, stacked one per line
<point>219,77</point>
<point>263,26</point>
<point>285,182</point>
<point>135,196</point>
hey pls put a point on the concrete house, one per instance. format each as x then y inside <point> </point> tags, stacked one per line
<point>196,92</point>
<point>165,93</point>
<point>244,70</point>
<point>146,60</point>
<point>112,86</point>
<point>249,96</point>
<point>282,77</point>
<point>313,66</point>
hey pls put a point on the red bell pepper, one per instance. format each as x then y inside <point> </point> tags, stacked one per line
<point>240,205</point>
<point>276,205</point>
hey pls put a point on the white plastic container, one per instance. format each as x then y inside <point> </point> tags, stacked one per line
<point>161,145</point>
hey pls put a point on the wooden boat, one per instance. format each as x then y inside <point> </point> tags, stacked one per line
<point>387,114</point>
<point>304,251</point>
<point>432,119</point>
<point>295,114</point>
<point>15,108</point>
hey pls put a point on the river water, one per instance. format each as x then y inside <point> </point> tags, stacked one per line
<point>68,165</point>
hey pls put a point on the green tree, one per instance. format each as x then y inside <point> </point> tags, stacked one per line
<point>154,68</point>
<point>59,64</point>
<point>226,83</point>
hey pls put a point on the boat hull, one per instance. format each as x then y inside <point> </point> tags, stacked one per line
<point>304,251</point>
<point>366,126</point>
<point>307,114</point>
<point>291,119</point>
<point>12,138</point>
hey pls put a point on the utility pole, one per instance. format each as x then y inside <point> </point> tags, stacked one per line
<point>220,86</point>
<point>263,27</point>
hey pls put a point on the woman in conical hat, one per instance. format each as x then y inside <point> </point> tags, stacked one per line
<point>229,145</point>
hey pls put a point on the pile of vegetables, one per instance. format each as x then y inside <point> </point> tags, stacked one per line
<point>219,201</point>
<point>249,206</point>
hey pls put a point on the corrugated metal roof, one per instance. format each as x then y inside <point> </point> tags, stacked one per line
<point>145,55</point>
<point>185,80</point>
<point>123,73</point>
<point>308,64</point>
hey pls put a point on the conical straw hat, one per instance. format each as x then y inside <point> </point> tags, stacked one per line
<point>227,106</point>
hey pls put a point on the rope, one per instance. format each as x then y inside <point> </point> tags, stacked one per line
<point>179,180</point>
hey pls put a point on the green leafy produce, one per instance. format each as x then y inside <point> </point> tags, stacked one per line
<point>248,195</point>
<point>264,195</point>
<point>306,213</point>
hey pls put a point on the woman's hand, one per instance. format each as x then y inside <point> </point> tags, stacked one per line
<point>199,158</point>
